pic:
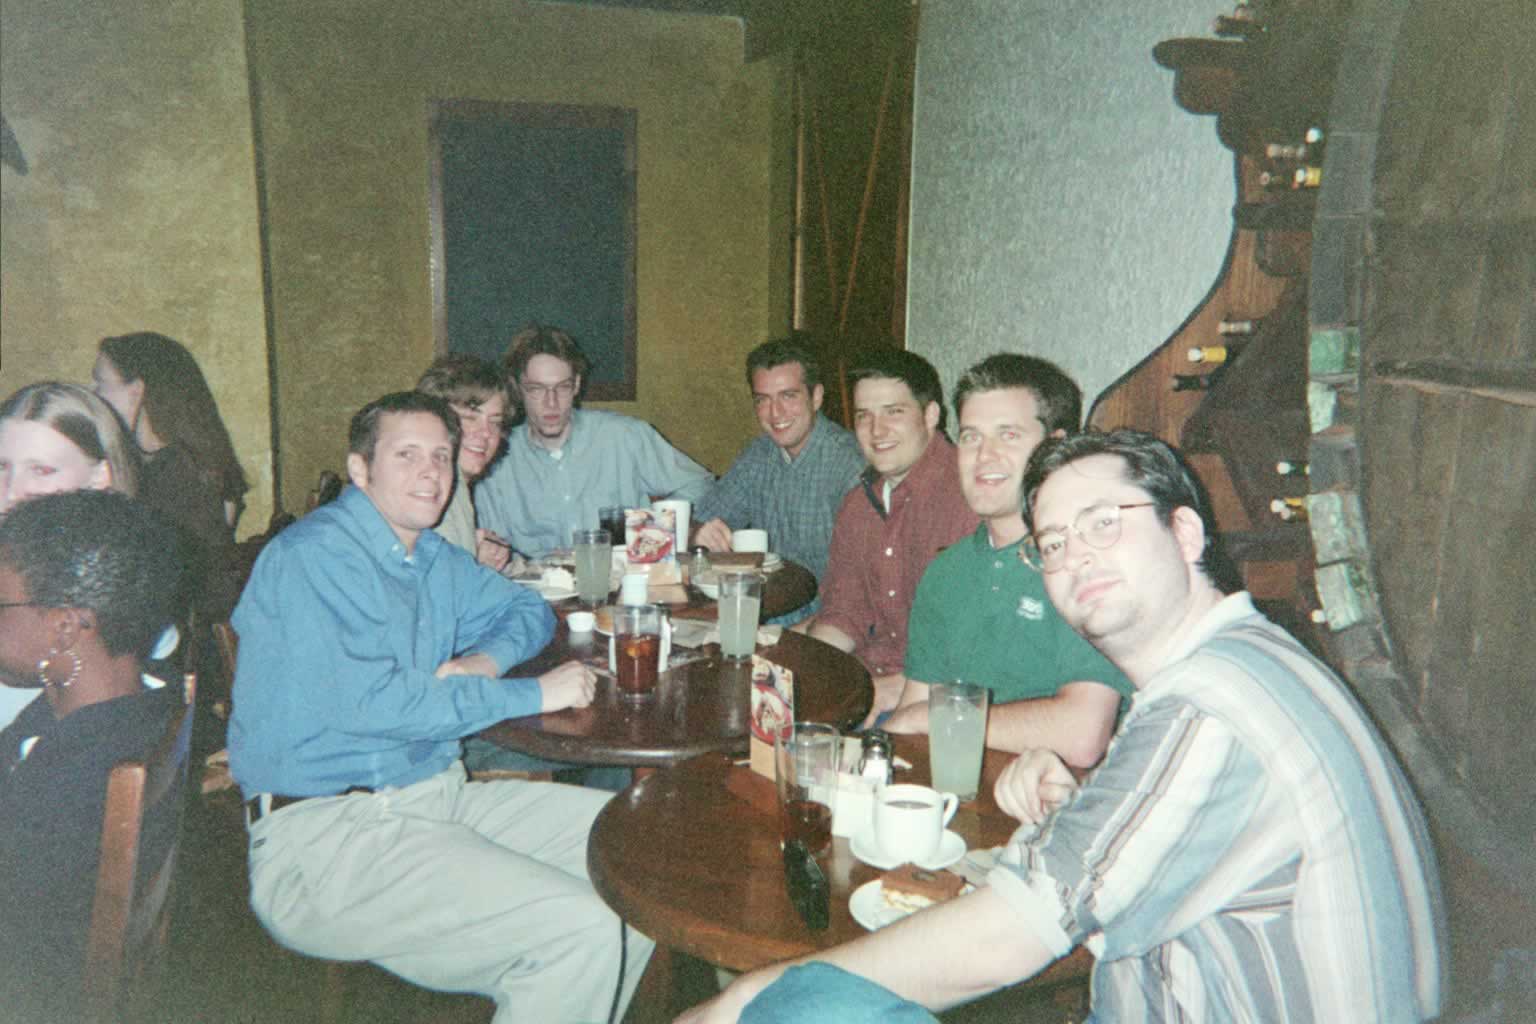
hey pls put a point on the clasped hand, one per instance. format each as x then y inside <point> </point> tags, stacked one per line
<point>1033,786</point>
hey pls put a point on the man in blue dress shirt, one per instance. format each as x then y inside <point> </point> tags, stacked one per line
<point>564,463</point>
<point>368,647</point>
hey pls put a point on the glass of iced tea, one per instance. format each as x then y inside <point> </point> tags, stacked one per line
<point>637,649</point>
<point>805,767</point>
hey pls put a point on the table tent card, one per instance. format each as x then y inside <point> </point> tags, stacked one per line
<point>773,711</point>
<point>650,541</point>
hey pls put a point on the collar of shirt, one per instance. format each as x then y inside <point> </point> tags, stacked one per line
<point>1226,611</point>
<point>811,442</point>
<point>380,538</point>
<point>553,453</point>
<point>928,466</point>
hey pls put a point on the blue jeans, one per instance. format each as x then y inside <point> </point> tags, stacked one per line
<point>818,993</point>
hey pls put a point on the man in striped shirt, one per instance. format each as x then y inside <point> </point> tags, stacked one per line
<point>1248,850</point>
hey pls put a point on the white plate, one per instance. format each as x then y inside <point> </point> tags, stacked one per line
<point>868,906</point>
<point>549,593</point>
<point>870,909</point>
<point>951,849</point>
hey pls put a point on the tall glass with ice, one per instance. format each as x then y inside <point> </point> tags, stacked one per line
<point>739,605</point>
<point>594,559</point>
<point>957,735</point>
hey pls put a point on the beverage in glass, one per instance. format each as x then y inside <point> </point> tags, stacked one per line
<point>805,768</point>
<point>636,650</point>
<point>594,559</point>
<point>611,518</point>
<point>740,602</point>
<point>957,735</point>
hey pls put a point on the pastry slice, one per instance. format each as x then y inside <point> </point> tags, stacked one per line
<point>910,887</point>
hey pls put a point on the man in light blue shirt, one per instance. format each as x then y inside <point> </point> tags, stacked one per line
<point>563,464</point>
<point>368,647</point>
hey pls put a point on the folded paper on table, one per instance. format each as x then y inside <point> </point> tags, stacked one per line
<point>698,632</point>
<point>773,711</point>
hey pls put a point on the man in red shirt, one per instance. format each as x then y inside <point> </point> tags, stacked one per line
<point>908,508</point>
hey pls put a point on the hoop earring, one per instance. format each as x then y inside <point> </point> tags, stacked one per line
<point>46,663</point>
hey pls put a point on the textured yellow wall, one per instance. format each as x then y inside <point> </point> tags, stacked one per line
<point>342,100</point>
<point>139,211</point>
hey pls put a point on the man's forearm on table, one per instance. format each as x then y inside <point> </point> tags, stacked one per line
<point>1076,722</point>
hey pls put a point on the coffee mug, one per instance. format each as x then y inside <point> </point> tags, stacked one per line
<point>910,821</point>
<point>749,540</point>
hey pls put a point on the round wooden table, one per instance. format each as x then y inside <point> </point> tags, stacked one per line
<point>698,708</point>
<point>690,856</point>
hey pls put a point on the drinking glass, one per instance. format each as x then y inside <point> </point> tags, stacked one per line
<point>637,649</point>
<point>611,518</point>
<point>594,560</point>
<point>805,768</point>
<point>740,602</point>
<point>957,735</point>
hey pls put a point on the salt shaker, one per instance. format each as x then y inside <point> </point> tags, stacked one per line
<point>698,563</point>
<point>875,758</point>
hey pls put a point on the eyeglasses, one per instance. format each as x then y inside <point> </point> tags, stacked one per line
<point>537,392</point>
<point>19,604</point>
<point>1099,526</point>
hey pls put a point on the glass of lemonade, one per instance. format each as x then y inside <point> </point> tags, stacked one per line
<point>740,602</point>
<point>594,561</point>
<point>957,735</point>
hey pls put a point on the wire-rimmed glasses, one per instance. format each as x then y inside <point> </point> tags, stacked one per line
<point>1097,525</point>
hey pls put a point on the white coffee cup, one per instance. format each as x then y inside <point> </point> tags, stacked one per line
<point>580,622</point>
<point>634,588</point>
<point>909,821</point>
<point>680,516</point>
<point>749,540</point>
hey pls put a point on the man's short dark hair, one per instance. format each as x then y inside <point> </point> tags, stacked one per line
<point>467,380</point>
<point>363,435</point>
<point>1151,464</point>
<point>1058,400</point>
<point>103,552</point>
<point>797,348</point>
<point>910,368</point>
<point>541,340</point>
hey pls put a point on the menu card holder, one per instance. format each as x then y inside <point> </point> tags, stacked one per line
<point>773,711</point>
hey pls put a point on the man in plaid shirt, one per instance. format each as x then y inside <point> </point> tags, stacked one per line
<point>790,479</point>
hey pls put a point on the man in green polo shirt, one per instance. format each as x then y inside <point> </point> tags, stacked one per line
<point>981,615</point>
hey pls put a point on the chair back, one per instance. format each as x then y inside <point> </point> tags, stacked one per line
<point>131,914</point>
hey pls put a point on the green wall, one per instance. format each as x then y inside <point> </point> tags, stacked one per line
<point>342,92</point>
<point>139,207</point>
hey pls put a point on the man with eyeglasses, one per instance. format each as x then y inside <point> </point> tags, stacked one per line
<point>564,463</point>
<point>981,615</point>
<point>1248,850</point>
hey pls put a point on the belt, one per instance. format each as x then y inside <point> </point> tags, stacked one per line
<point>254,813</point>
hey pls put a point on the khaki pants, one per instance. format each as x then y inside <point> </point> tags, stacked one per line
<point>457,886</point>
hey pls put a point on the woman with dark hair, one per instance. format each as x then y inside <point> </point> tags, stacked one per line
<point>87,584</point>
<point>191,475</point>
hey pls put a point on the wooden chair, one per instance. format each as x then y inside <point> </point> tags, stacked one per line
<point>131,914</point>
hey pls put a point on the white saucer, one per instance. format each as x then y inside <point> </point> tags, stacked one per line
<point>951,849</point>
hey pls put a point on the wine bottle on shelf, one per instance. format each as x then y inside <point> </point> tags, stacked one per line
<point>1212,354</point>
<point>1276,180</point>
<point>1290,510</point>
<point>1193,381</point>
<point>1230,328</point>
<point>1285,468</point>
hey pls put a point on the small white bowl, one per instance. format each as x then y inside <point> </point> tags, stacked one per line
<point>580,622</point>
